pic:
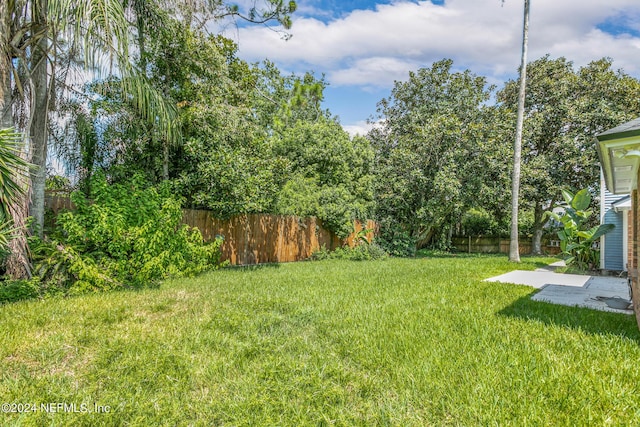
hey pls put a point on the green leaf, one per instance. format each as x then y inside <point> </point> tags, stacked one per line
<point>601,231</point>
<point>584,234</point>
<point>581,200</point>
<point>568,196</point>
<point>552,215</point>
<point>573,246</point>
<point>563,245</point>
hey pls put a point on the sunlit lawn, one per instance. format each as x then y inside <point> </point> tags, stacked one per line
<point>396,342</point>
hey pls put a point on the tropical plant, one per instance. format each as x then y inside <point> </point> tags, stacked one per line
<point>6,233</point>
<point>360,237</point>
<point>11,166</point>
<point>577,237</point>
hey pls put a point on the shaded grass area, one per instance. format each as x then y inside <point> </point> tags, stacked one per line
<point>398,342</point>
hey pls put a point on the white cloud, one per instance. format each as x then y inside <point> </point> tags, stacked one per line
<point>374,71</point>
<point>359,128</point>
<point>372,47</point>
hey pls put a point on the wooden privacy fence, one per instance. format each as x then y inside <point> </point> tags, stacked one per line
<point>57,201</point>
<point>262,238</point>
<point>496,245</point>
<point>255,238</point>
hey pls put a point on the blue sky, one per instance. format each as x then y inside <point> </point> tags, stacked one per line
<point>363,46</point>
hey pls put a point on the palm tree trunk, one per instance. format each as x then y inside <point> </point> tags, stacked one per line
<point>514,251</point>
<point>17,264</point>
<point>39,129</point>
<point>6,116</point>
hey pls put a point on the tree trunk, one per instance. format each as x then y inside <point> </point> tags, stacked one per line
<point>40,109</point>
<point>6,116</point>
<point>538,223</point>
<point>536,241</point>
<point>17,264</point>
<point>514,251</point>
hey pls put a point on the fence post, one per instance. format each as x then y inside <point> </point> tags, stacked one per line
<point>469,243</point>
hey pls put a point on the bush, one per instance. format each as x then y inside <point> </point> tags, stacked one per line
<point>128,236</point>
<point>362,252</point>
<point>477,222</point>
<point>18,290</point>
<point>397,243</point>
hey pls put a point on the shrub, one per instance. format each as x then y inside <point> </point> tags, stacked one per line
<point>397,243</point>
<point>477,221</point>
<point>362,252</point>
<point>372,251</point>
<point>128,235</point>
<point>17,290</point>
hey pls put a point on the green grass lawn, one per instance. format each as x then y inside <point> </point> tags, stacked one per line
<point>396,342</point>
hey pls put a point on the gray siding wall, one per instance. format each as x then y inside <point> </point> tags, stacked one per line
<point>613,253</point>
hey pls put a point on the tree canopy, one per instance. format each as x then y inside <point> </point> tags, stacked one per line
<point>177,107</point>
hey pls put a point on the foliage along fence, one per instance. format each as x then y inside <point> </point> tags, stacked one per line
<point>255,238</point>
<point>263,238</point>
<point>481,244</point>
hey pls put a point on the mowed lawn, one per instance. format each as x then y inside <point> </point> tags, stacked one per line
<point>395,342</point>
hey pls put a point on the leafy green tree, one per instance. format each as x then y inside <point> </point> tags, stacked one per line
<point>432,141</point>
<point>281,101</point>
<point>222,161</point>
<point>564,109</point>
<point>328,175</point>
<point>253,139</point>
<point>604,99</point>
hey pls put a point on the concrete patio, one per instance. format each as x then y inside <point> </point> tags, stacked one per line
<point>604,293</point>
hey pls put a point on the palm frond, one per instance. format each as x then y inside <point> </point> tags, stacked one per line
<point>101,30</point>
<point>12,166</point>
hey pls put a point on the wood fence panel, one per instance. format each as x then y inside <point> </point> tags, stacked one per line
<point>496,245</point>
<point>262,238</point>
<point>58,202</point>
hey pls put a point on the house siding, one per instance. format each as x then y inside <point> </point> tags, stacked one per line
<point>629,240</point>
<point>613,241</point>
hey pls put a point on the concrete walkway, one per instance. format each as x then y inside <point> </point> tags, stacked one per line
<point>596,292</point>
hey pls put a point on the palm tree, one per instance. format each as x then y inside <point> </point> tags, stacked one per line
<point>35,34</point>
<point>31,35</point>
<point>514,251</point>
